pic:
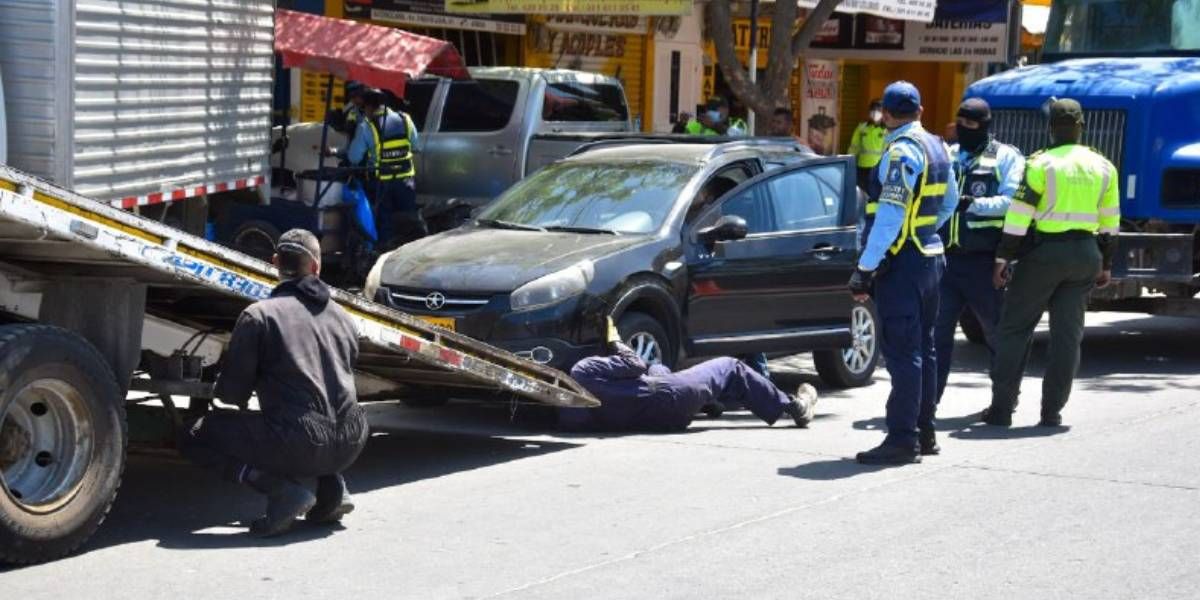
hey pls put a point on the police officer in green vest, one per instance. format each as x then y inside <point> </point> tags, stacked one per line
<point>988,174</point>
<point>1067,213</point>
<point>383,142</point>
<point>714,120</point>
<point>866,145</point>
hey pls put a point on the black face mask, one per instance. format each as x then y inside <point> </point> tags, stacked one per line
<point>972,140</point>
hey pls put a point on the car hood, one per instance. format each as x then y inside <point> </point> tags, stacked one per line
<point>472,259</point>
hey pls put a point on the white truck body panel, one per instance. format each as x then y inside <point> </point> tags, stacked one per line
<point>125,99</point>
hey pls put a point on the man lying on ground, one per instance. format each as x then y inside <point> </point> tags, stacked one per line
<point>637,396</point>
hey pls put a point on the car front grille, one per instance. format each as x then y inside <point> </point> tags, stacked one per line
<point>1028,130</point>
<point>434,301</point>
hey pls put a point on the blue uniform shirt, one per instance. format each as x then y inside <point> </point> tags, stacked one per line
<point>903,159</point>
<point>362,146</point>
<point>1011,166</point>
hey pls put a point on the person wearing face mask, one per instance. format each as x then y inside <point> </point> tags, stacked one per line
<point>1069,204</point>
<point>714,120</point>
<point>911,195</point>
<point>988,174</point>
<point>866,145</point>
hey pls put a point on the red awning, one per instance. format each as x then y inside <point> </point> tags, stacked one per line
<point>380,57</point>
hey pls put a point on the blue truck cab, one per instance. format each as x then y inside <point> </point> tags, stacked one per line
<point>1134,65</point>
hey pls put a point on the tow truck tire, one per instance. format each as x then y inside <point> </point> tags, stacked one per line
<point>854,366</point>
<point>256,238</point>
<point>62,442</point>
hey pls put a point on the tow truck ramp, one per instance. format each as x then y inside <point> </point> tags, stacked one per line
<point>53,233</point>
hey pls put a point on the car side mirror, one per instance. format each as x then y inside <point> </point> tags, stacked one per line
<point>727,228</point>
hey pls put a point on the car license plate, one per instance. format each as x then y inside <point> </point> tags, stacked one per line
<point>443,322</point>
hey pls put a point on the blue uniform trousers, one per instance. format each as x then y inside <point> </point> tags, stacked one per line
<point>967,284</point>
<point>397,217</point>
<point>906,297</point>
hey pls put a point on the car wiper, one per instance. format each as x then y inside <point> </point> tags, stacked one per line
<point>498,224</point>
<point>578,229</point>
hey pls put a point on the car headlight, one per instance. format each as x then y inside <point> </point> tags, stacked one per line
<point>553,288</point>
<point>371,285</point>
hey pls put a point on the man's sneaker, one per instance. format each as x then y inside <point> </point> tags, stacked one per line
<point>885,454</point>
<point>803,405</point>
<point>286,502</point>
<point>1054,420</point>
<point>929,445</point>
<point>995,418</point>
<point>333,501</point>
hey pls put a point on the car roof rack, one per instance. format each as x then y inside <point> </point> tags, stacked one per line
<point>720,144</point>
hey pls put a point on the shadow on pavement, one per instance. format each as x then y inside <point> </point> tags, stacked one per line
<point>829,470</point>
<point>186,508</point>
<point>985,432</point>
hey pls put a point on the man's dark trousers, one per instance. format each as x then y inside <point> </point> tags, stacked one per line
<point>906,298</point>
<point>397,216</point>
<point>1057,275</point>
<point>967,285</point>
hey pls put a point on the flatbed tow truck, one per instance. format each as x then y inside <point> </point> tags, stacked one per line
<point>96,303</point>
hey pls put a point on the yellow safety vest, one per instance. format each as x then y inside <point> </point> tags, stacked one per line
<point>867,144</point>
<point>1066,188</point>
<point>393,147</point>
<point>921,212</point>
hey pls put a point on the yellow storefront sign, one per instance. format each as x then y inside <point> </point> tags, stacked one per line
<point>582,7</point>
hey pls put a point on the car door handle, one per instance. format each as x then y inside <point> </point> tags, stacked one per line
<point>500,151</point>
<point>824,250</point>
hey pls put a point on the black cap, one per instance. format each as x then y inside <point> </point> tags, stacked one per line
<point>1066,111</point>
<point>876,104</point>
<point>975,109</point>
<point>300,242</point>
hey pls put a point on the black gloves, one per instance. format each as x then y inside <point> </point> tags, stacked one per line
<point>964,202</point>
<point>860,281</point>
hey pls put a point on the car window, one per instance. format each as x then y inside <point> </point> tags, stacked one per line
<point>419,96</point>
<point>718,185</point>
<point>808,198</point>
<point>479,105</point>
<point>627,196</point>
<point>752,204</point>
<point>576,101</point>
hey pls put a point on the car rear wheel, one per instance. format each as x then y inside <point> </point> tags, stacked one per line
<point>853,366</point>
<point>647,337</point>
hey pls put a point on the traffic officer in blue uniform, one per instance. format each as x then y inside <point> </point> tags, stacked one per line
<point>383,142</point>
<point>988,174</point>
<point>901,265</point>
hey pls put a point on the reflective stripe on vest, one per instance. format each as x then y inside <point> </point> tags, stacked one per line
<point>981,180</point>
<point>1076,180</point>
<point>393,155</point>
<point>920,214</point>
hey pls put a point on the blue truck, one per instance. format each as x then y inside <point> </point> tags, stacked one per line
<point>1134,65</point>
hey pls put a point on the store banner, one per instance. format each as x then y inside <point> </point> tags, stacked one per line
<point>432,13</point>
<point>906,10</point>
<point>819,105</point>
<point>876,38</point>
<point>578,7</point>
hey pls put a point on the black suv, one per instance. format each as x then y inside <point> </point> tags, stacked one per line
<point>707,249</point>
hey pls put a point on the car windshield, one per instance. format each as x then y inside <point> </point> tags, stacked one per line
<point>614,196</point>
<point>1123,26</point>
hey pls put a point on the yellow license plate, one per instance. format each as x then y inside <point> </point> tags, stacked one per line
<point>443,322</point>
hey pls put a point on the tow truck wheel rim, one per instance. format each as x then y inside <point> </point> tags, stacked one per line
<point>49,464</point>
<point>862,330</point>
<point>646,347</point>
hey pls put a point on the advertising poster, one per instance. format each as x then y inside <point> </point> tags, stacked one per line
<point>819,106</point>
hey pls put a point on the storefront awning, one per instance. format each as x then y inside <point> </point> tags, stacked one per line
<point>382,57</point>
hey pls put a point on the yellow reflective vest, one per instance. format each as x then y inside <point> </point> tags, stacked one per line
<point>1067,188</point>
<point>867,144</point>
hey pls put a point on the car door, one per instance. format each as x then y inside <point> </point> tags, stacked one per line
<point>782,286</point>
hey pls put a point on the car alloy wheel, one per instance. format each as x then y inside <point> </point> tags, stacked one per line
<point>862,331</point>
<point>646,347</point>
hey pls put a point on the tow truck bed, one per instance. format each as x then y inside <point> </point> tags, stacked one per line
<point>52,234</point>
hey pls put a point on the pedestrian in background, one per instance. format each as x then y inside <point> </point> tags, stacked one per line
<point>913,194</point>
<point>866,144</point>
<point>988,174</point>
<point>1067,214</point>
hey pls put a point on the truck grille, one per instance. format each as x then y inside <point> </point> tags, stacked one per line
<point>1028,130</point>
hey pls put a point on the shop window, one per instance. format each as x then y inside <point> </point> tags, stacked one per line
<point>575,101</point>
<point>479,105</point>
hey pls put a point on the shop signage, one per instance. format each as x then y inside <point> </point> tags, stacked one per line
<point>579,7</point>
<point>819,105</point>
<point>907,10</point>
<point>432,13</point>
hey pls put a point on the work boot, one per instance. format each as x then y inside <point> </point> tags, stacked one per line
<point>887,454</point>
<point>286,502</point>
<point>803,405</point>
<point>713,410</point>
<point>995,418</point>
<point>333,500</point>
<point>1052,420</point>
<point>929,445</point>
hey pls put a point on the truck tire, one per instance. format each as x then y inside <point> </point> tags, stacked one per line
<point>62,442</point>
<point>971,327</point>
<point>853,366</point>
<point>256,238</point>
<point>648,338</point>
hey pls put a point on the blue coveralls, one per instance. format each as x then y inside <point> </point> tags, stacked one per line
<point>991,178</point>
<point>387,197</point>
<point>906,287</point>
<point>634,396</point>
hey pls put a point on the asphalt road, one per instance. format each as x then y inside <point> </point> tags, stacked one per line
<point>461,503</point>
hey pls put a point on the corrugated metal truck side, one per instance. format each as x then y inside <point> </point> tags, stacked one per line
<point>139,103</point>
